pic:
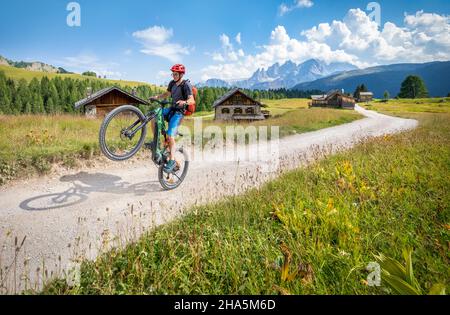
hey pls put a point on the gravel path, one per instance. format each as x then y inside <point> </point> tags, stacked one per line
<point>76,214</point>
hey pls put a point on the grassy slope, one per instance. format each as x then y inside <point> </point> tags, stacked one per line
<point>424,105</point>
<point>328,219</point>
<point>18,73</point>
<point>38,141</point>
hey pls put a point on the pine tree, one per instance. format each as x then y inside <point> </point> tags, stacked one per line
<point>22,101</point>
<point>357,91</point>
<point>5,99</point>
<point>413,87</point>
<point>53,99</point>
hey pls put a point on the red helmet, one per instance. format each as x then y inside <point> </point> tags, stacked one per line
<point>178,68</point>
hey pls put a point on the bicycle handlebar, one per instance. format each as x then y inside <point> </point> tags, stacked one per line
<point>162,103</point>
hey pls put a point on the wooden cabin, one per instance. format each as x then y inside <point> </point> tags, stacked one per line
<point>236,105</point>
<point>333,99</point>
<point>102,102</point>
<point>365,97</point>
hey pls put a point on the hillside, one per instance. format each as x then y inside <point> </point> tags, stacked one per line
<point>18,73</point>
<point>387,78</point>
<point>34,66</point>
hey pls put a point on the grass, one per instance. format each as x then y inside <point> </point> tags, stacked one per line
<point>421,105</point>
<point>281,106</point>
<point>311,231</point>
<point>31,144</point>
<point>276,107</point>
<point>28,75</point>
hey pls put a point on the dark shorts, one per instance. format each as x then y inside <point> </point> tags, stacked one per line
<point>174,121</point>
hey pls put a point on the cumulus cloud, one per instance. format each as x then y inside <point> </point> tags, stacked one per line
<point>424,37</point>
<point>156,42</point>
<point>355,39</point>
<point>228,53</point>
<point>284,8</point>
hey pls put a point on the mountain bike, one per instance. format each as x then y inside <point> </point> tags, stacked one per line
<point>122,135</point>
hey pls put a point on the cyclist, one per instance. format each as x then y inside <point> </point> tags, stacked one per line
<point>174,115</point>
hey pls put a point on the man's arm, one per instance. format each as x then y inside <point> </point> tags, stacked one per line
<point>163,96</point>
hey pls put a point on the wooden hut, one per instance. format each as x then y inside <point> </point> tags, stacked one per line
<point>102,102</point>
<point>334,99</point>
<point>236,105</point>
<point>365,97</point>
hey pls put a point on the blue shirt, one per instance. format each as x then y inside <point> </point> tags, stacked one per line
<point>177,94</point>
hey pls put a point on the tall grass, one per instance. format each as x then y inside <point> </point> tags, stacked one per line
<point>311,231</point>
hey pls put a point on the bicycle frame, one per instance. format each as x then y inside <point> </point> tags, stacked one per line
<point>156,114</point>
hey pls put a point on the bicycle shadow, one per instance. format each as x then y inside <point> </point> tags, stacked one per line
<point>83,184</point>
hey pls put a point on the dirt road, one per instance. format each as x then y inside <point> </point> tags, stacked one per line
<point>75,214</point>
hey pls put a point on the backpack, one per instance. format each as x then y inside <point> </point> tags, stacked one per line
<point>190,109</point>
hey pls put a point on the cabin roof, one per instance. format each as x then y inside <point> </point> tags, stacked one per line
<point>318,97</point>
<point>105,91</point>
<point>231,93</point>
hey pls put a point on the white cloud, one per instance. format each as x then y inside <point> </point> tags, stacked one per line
<point>424,37</point>
<point>238,39</point>
<point>156,35</point>
<point>355,39</point>
<point>90,62</point>
<point>283,9</point>
<point>304,3</point>
<point>156,42</point>
<point>228,52</point>
<point>298,4</point>
<point>218,57</point>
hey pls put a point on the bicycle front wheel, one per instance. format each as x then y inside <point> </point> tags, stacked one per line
<point>122,133</point>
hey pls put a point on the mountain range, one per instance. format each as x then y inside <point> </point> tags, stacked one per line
<point>286,75</point>
<point>436,76</point>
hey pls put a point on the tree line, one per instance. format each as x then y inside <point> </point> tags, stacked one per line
<point>53,96</point>
<point>58,95</point>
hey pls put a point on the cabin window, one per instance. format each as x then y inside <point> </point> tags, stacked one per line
<point>238,110</point>
<point>250,110</point>
<point>225,110</point>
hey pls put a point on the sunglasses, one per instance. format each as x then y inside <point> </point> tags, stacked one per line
<point>175,73</point>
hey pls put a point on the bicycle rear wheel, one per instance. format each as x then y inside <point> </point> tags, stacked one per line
<point>174,179</point>
<point>120,137</point>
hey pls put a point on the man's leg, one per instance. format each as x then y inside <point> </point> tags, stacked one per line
<point>171,141</point>
<point>171,134</point>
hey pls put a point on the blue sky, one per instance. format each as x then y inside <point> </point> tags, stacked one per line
<point>140,40</point>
